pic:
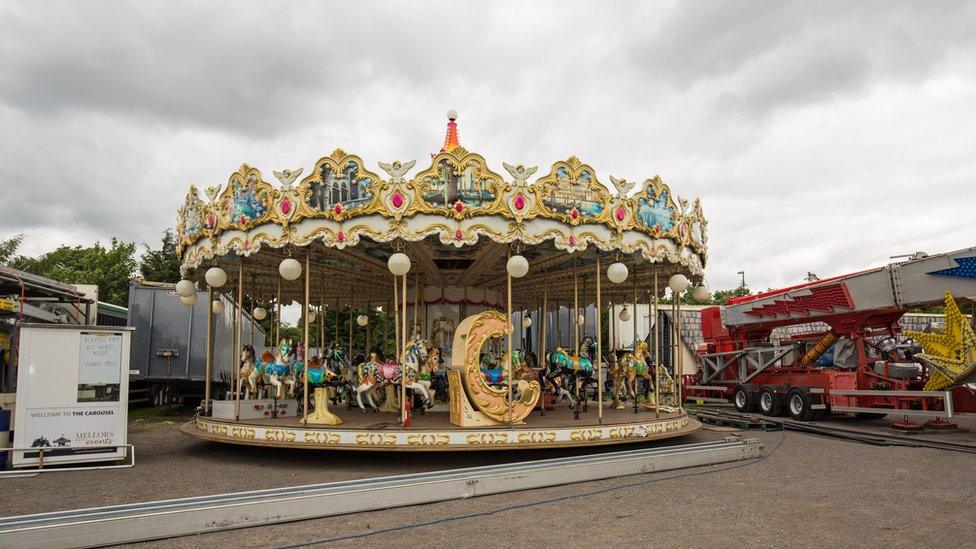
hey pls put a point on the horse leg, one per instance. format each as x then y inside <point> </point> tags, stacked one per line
<point>359,396</point>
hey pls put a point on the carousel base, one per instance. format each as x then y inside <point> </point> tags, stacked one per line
<point>433,431</point>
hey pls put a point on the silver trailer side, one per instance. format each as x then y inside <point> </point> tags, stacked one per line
<point>169,343</point>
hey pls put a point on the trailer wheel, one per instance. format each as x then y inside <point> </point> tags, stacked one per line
<point>769,403</point>
<point>743,400</point>
<point>799,404</point>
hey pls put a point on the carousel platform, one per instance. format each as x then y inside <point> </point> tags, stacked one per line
<point>433,431</point>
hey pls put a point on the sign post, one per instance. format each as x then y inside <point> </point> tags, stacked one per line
<point>72,393</point>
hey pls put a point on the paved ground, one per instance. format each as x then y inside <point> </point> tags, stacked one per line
<point>809,491</point>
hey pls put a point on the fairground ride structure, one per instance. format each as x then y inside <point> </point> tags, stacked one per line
<point>853,356</point>
<point>460,249</point>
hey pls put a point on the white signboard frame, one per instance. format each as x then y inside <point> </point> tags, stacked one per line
<point>72,392</point>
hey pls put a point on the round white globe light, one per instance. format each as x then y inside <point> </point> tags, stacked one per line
<point>526,321</point>
<point>625,314</point>
<point>399,264</point>
<point>617,272</point>
<point>259,313</point>
<point>678,283</point>
<point>452,114</point>
<point>311,317</point>
<point>216,277</point>
<point>362,320</point>
<point>217,307</point>
<point>290,268</point>
<point>189,300</point>
<point>517,266</point>
<point>580,320</point>
<point>701,293</point>
<point>185,288</point>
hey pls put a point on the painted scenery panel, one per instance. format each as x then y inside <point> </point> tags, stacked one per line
<point>350,187</point>
<point>450,186</point>
<point>568,193</point>
<point>655,211</point>
<point>246,202</point>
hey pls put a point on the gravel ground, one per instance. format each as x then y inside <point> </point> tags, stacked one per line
<point>809,491</point>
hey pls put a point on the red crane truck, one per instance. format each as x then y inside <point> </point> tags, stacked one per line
<point>856,358</point>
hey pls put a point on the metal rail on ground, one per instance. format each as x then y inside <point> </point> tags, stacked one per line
<point>186,516</point>
<point>856,435</point>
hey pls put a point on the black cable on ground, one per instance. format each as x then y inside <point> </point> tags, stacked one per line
<point>456,518</point>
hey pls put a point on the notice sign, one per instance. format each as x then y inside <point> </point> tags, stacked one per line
<point>72,394</point>
<point>76,429</point>
<point>99,366</point>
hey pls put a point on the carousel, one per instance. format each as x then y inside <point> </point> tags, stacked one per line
<point>473,304</point>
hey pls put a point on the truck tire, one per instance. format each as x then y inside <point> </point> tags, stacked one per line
<point>769,402</point>
<point>799,405</point>
<point>743,400</point>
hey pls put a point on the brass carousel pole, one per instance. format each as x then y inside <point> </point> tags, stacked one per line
<point>657,350</point>
<point>253,283</point>
<point>238,339</point>
<point>575,324</point>
<point>634,315</point>
<point>308,279</point>
<point>278,316</point>
<point>675,351</point>
<point>396,335</point>
<point>507,352</point>
<point>400,353</point>
<point>599,345</point>
<point>206,388</point>
<point>544,319</point>
<point>321,329</point>
<point>350,331</point>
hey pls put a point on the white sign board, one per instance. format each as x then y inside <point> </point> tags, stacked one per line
<point>72,393</point>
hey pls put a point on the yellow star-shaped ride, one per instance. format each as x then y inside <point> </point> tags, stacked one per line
<point>950,354</point>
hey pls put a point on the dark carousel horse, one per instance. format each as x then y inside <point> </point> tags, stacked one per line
<point>561,366</point>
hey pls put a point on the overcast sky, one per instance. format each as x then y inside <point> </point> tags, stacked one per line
<point>820,136</point>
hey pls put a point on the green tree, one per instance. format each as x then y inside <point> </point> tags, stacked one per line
<point>9,247</point>
<point>719,297</point>
<point>109,268</point>
<point>811,277</point>
<point>161,265</point>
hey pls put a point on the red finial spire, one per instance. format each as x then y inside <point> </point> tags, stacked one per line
<point>451,139</point>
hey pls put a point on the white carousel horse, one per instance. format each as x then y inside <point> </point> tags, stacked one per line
<point>376,375</point>
<point>251,373</point>
<point>280,368</point>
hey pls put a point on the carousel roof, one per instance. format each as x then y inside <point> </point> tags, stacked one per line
<point>456,219</point>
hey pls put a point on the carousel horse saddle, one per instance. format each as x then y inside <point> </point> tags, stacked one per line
<point>494,376</point>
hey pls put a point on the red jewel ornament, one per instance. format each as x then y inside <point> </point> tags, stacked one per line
<point>341,237</point>
<point>574,214</point>
<point>397,200</point>
<point>621,213</point>
<point>242,220</point>
<point>210,220</point>
<point>458,234</point>
<point>458,207</point>
<point>572,240</point>
<point>285,206</point>
<point>519,202</point>
<point>338,209</point>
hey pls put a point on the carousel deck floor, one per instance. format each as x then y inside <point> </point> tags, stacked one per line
<point>434,431</point>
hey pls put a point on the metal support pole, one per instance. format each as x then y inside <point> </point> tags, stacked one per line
<point>634,315</point>
<point>350,332</point>
<point>400,351</point>
<point>253,284</point>
<point>209,363</point>
<point>544,319</point>
<point>278,316</point>
<point>576,326</point>
<point>308,279</point>
<point>507,352</point>
<point>679,369</point>
<point>238,340</point>
<point>657,349</point>
<point>599,345</point>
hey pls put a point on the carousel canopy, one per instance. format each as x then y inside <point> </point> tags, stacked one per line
<point>457,220</point>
